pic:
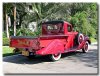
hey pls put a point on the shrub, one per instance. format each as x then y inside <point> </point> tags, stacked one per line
<point>5,42</point>
<point>27,32</point>
<point>4,34</point>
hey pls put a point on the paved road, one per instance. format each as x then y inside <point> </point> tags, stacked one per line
<point>70,63</point>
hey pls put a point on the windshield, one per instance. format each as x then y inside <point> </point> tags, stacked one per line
<point>52,29</point>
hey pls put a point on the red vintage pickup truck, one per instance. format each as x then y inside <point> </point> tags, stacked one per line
<point>57,37</point>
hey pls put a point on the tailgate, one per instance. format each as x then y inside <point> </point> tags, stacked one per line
<point>24,42</point>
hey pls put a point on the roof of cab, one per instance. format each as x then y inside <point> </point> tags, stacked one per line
<point>53,22</point>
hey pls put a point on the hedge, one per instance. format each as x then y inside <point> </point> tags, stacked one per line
<point>5,42</point>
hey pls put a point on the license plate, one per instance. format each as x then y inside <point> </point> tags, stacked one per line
<point>25,53</point>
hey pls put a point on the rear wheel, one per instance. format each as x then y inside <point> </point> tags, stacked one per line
<point>86,47</point>
<point>55,57</point>
<point>31,55</point>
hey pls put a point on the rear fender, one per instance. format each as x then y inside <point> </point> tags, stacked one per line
<point>81,45</point>
<point>56,46</point>
<point>83,42</point>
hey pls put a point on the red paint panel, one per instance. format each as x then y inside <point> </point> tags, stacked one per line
<point>56,46</point>
<point>24,43</point>
<point>45,40</point>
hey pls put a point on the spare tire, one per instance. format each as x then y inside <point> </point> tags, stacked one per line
<point>79,38</point>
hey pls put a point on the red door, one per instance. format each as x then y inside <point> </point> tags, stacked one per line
<point>70,37</point>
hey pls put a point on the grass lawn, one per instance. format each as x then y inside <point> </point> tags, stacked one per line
<point>93,40</point>
<point>7,51</point>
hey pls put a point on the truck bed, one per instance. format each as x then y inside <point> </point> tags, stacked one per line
<point>34,42</point>
<point>29,37</point>
<point>24,42</point>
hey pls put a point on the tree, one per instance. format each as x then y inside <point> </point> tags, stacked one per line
<point>14,20</point>
<point>6,12</point>
<point>83,16</point>
<point>16,11</point>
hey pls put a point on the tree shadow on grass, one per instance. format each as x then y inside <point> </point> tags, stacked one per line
<point>10,54</point>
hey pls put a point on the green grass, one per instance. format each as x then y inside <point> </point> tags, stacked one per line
<point>7,51</point>
<point>93,40</point>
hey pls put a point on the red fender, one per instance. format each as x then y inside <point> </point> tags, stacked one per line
<point>56,46</point>
<point>83,43</point>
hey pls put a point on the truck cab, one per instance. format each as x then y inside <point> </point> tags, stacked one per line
<point>56,28</point>
<point>60,28</point>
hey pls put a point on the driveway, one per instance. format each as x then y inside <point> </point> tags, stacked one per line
<point>70,63</point>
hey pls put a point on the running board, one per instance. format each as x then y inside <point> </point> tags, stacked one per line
<point>71,49</point>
